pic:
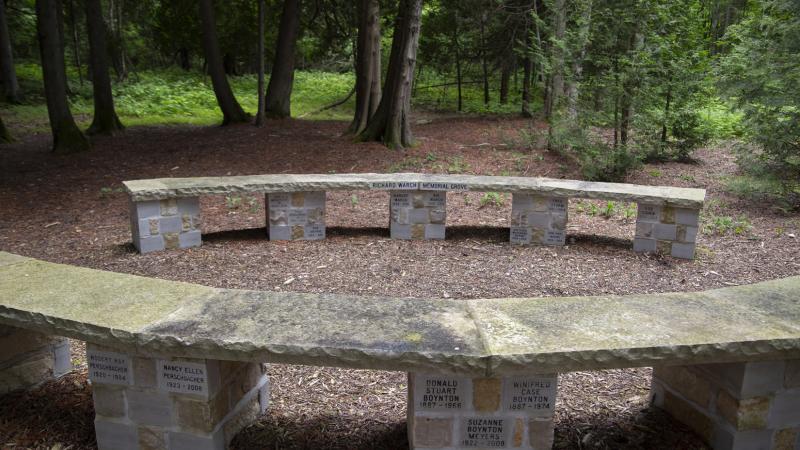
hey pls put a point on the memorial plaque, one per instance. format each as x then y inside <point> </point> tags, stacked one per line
<point>554,237</point>
<point>457,187</point>
<point>401,200</point>
<point>435,199</point>
<point>298,216</point>
<point>520,235</point>
<point>279,200</point>
<point>558,205</point>
<point>648,212</point>
<point>395,185</point>
<point>441,393</point>
<point>109,368</point>
<point>485,432</point>
<point>314,232</point>
<point>183,377</point>
<point>433,186</point>
<point>535,396</point>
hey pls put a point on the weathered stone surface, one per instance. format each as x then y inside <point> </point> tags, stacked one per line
<point>156,189</point>
<point>153,317</point>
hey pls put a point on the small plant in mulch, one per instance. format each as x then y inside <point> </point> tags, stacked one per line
<point>494,199</point>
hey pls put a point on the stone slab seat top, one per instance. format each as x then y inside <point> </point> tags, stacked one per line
<point>161,188</point>
<point>484,337</point>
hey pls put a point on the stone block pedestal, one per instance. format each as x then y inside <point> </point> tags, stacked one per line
<point>538,220</point>
<point>666,230</point>
<point>172,404</point>
<point>296,216</point>
<point>452,412</point>
<point>738,406</point>
<point>417,215</point>
<point>165,224</point>
<point>27,358</point>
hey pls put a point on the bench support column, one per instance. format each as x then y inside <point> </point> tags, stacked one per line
<point>172,404</point>
<point>417,215</point>
<point>452,412</point>
<point>753,405</point>
<point>296,216</point>
<point>538,220</point>
<point>666,230</point>
<point>27,358</point>
<point>166,224</point>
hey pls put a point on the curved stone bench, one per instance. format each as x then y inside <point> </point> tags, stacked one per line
<point>165,212</point>
<point>180,363</point>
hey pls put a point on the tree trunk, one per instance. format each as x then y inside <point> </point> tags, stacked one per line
<point>231,111</point>
<point>279,90</point>
<point>459,80</point>
<point>67,138</point>
<point>666,111</point>
<point>527,65</point>
<point>484,59</point>
<point>629,87</point>
<point>117,46</point>
<point>260,113</point>
<point>8,75</point>
<point>368,64</point>
<point>183,58</point>
<point>75,48</point>
<point>5,136</point>
<point>578,54</point>
<point>391,122</point>
<point>557,68</point>
<point>505,78</point>
<point>105,117</point>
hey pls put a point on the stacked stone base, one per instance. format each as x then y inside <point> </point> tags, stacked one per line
<point>172,404</point>
<point>28,358</point>
<point>296,216</point>
<point>417,215</point>
<point>450,412</point>
<point>666,230</point>
<point>166,224</point>
<point>538,220</point>
<point>754,405</point>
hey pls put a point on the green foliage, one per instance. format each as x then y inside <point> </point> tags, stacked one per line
<point>493,199</point>
<point>722,225</point>
<point>457,165</point>
<point>761,74</point>
<point>598,160</point>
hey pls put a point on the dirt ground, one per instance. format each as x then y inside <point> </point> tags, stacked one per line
<point>71,209</point>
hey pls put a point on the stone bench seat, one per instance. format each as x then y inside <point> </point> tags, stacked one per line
<point>717,353</point>
<point>165,212</point>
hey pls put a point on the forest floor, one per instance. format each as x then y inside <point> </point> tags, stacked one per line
<point>71,209</point>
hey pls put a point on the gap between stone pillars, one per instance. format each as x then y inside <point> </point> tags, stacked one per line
<point>28,358</point>
<point>732,406</point>
<point>172,403</point>
<point>453,412</point>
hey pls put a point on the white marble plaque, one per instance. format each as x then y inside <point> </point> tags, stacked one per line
<point>554,237</point>
<point>442,393</point>
<point>183,377</point>
<point>109,368</point>
<point>485,432</point>
<point>279,200</point>
<point>435,199</point>
<point>535,396</point>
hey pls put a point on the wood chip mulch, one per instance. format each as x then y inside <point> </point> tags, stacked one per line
<point>71,209</point>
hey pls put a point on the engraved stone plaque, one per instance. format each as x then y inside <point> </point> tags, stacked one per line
<point>648,212</point>
<point>520,235</point>
<point>395,185</point>
<point>558,205</point>
<point>183,377</point>
<point>314,232</point>
<point>433,186</point>
<point>401,200</point>
<point>485,432</point>
<point>279,200</point>
<point>441,393</point>
<point>297,216</point>
<point>109,368</point>
<point>533,395</point>
<point>554,237</point>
